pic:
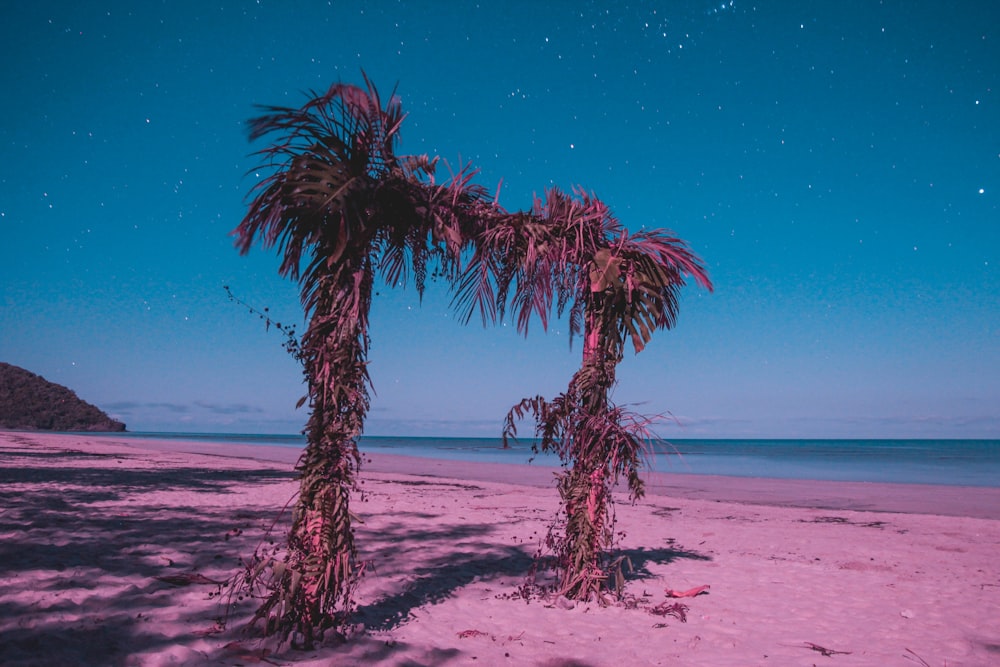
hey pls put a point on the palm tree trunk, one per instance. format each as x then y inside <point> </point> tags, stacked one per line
<point>584,489</point>
<point>321,552</point>
<point>311,589</point>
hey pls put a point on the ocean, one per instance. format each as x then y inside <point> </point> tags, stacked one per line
<point>945,462</point>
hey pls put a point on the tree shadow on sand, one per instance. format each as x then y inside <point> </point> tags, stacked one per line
<point>125,480</point>
<point>464,555</point>
<point>86,562</point>
<point>84,557</point>
<point>446,556</point>
<point>641,558</point>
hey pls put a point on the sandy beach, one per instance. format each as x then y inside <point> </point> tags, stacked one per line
<point>110,550</point>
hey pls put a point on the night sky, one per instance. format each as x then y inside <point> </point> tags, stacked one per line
<point>836,165</point>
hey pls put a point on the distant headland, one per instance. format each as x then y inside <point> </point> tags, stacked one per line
<point>29,402</point>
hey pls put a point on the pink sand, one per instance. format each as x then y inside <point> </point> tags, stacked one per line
<point>879,574</point>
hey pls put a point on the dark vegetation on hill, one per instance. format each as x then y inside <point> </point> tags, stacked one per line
<point>30,402</point>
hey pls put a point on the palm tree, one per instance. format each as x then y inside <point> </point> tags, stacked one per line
<point>571,251</point>
<point>342,209</point>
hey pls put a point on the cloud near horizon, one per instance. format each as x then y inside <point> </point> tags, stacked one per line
<point>185,408</point>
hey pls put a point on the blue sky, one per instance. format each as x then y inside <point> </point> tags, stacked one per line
<point>836,165</point>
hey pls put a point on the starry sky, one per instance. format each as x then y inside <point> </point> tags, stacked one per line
<point>835,164</point>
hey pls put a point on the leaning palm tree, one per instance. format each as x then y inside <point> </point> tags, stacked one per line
<point>570,251</point>
<point>342,209</point>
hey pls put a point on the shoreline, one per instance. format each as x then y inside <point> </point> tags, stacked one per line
<point>112,550</point>
<point>942,500</point>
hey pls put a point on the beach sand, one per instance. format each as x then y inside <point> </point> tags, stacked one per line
<point>109,547</point>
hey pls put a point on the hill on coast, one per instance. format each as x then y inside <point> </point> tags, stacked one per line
<point>32,403</point>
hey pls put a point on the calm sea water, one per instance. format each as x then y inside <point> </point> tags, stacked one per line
<point>948,462</point>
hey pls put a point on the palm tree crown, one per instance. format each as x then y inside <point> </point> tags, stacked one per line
<point>571,251</point>
<point>338,191</point>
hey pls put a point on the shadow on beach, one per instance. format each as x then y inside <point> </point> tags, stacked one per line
<point>117,560</point>
<point>465,555</point>
<point>460,560</point>
<point>82,547</point>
